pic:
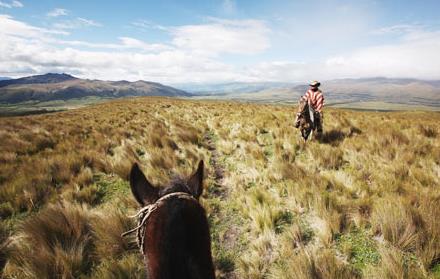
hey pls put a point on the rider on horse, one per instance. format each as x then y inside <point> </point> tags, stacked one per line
<point>315,98</point>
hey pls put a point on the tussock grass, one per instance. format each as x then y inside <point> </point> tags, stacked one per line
<point>56,242</point>
<point>128,267</point>
<point>395,264</point>
<point>107,229</point>
<point>396,223</point>
<point>360,202</point>
<point>312,264</point>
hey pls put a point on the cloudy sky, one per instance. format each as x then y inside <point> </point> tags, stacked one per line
<point>179,41</point>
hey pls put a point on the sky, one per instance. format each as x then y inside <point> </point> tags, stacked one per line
<point>214,41</point>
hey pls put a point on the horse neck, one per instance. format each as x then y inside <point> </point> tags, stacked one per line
<point>304,111</point>
<point>177,242</point>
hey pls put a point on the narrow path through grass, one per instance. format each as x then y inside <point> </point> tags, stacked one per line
<point>222,218</point>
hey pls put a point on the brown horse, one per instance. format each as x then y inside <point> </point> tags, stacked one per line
<point>173,233</point>
<point>304,119</point>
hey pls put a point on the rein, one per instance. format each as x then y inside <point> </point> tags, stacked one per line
<point>145,212</point>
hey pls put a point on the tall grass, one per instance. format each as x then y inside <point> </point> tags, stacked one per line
<point>58,242</point>
<point>362,202</point>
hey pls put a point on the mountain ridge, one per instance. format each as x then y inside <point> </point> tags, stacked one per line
<point>52,86</point>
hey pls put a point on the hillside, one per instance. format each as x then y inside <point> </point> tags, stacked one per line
<point>51,87</point>
<point>346,91</point>
<point>361,203</point>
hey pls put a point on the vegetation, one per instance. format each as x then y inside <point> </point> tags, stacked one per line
<point>360,203</point>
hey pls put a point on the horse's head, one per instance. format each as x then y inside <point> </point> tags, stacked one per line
<point>302,106</point>
<point>301,114</point>
<point>145,193</point>
<point>303,120</point>
<point>172,232</point>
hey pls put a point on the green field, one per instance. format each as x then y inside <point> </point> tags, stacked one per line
<point>46,107</point>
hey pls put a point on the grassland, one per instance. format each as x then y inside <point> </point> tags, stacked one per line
<point>35,107</point>
<point>360,203</point>
<point>384,106</point>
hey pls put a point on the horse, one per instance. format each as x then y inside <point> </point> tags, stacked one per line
<point>304,119</point>
<point>172,232</point>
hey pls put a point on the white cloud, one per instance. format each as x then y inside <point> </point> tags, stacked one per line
<point>223,36</point>
<point>399,29</point>
<point>57,12</point>
<point>194,54</point>
<point>31,50</point>
<point>229,6</point>
<point>216,36</point>
<point>416,55</point>
<point>11,4</point>
<point>76,23</point>
<point>126,43</point>
<point>12,27</point>
<point>17,4</point>
<point>146,24</point>
<point>132,43</point>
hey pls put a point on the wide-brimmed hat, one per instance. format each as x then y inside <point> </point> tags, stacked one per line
<point>315,83</point>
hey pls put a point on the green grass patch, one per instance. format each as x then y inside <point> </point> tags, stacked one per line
<point>436,271</point>
<point>110,187</point>
<point>359,247</point>
<point>284,219</point>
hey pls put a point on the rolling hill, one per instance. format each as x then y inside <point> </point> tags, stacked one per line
<point>339,91</point>
<point>50,87</point>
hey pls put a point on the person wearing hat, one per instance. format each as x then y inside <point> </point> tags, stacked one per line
<point>315,98</point>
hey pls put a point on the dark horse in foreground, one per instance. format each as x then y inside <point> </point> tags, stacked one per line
<point>173,233</point>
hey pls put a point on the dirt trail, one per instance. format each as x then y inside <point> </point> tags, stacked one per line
<point>215,160</point>
<point>229,237</point>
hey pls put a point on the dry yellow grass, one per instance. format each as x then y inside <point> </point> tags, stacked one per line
<point>361,203</point>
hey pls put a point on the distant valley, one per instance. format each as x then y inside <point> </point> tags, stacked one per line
<point>53,92</point>
<point>340,92</point>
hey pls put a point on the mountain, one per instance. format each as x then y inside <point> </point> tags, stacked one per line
<point>379,89</point>
<point>39,79</point>
<point>232,87</point>
<point>51,87</point>
<point>407,91</point>
<point>4,78</point>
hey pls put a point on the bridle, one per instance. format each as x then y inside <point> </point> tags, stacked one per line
<point>145,212</point>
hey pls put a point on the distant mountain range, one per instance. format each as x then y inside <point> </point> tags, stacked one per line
<point>51,87</point>
<point>233,87</point>
<point>403,91</point>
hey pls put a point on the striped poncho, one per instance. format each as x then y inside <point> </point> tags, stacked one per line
<point>316,99</point>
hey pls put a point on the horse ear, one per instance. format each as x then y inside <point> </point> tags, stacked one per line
<point>195,182</point>
<point>142,190</point>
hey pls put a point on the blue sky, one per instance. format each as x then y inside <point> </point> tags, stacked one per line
<point>220,41</point>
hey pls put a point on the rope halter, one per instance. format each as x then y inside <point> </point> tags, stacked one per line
<point>145,212</point>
